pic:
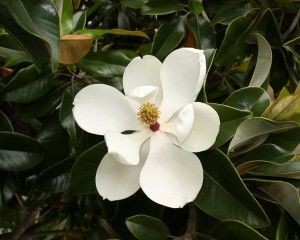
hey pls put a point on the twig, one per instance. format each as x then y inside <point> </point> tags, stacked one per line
<point>25,224</point>
<point>190,231</point>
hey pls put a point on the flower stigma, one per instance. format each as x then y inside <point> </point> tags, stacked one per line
<point>149,114</point>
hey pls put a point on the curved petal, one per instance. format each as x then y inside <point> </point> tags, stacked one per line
<point>126,147</point>
<point>142,72</point>
<point>144,94</point>
<point>182,76</point>
<point>116,181</point>
<point>204,130</point>
<point>171,176</point>
<point>99,108</point>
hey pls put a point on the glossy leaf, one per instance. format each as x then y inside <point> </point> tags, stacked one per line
<point>154,7</point>
<point>268,28</point>
<point>237,230</point>
<point>65,11</point>
<point>285,194</point>
<point>168,37</point>
<point>227,11</point>
<point>233,46</point>
<point>34,46</point>
<point>252,132</point>
<point>19,152</point>
<point>223,184</point>
<point>66,114</point>
<point>13,57</point>
<point>147,228</point>
<point>263,62</point>
<point>79,20</point>
<point>203,32</point>
<point>40,19</point>
<point>292,47</point>
<point>28,85</point>
<point>84,170</point>
<point>134,3</point>
<point>230,119</point>
<point>253,99</point>
<point>195,6</point>
<point>5,124</point>
<point>99,33</point>
<point>286,228</point>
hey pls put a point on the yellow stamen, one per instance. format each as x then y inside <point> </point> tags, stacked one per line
<point>148,113</point>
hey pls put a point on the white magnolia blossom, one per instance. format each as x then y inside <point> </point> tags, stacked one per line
<point>167,127</point>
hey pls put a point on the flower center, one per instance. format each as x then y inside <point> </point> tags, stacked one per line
<point>148,113</point>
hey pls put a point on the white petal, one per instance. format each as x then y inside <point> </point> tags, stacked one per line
<point>126,147</point>
<point>144,94</point>
<point>99,108</point>
<point>182,76</point>
<point>171,176</point>
<point>181,124</point>
<point>204,131</point>
<point>142,72</point>
<point>116,181</point>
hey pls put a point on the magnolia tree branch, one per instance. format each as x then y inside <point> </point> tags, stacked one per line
<point>190,231</point>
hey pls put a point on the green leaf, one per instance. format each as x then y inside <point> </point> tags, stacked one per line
<point>195,6</point>
<point>292,47</point>
<point>222,184</point>
<point>5,124</point>
<point>203,32</point>
<point>233,46</point>
<point>285,194</point>
<point>99,33</point>
<point>147,228</point>
<point>168,37</point>
<point>286,228</point>
<point>40,19</point>
<point>263,62</point>
<point>230,229</point>
<point>19,152</point>
<point>134,3</point>
<point>253,99</point>
<point>252,132</point>
<point>27,86</point>
<point>65,11</point>
<point>161,7</point>
<point>268,27</point>
<point>266,153</point>
<point>79,20</point>
<point>105,66</point>
<point>34,46</point>
<point>230,119</point>
<point>66,115</point>
<point>13,57</point>
<point>84,170</point>
<point>227,11</point>
<point>56,178</point>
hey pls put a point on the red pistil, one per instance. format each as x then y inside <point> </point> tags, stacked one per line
<point>154,127</point>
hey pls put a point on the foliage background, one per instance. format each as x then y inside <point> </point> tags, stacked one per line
<point>48,164</point>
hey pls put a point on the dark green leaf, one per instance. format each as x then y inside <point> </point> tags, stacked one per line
<point>134,3</point>
<point>34,46</point>
<point>160,7</point>
<point>227,11</point>
<point>5,124</point>
<point>168,37</point>
<point>285,194</point>
<point>79,20</point>
<point>253,99</point>
<point>235,230</point>
<point>230,119</point>
<point>195,6</point>
<point>65,10</point>
<point>28,85</point>
<point>84,170</point>
<point>254,131</point>
<point>40,19</point>
<point>292,47</point>
<point>203,32</point>
<point>99,33</point>
<point>233,47</point>
<point>268,27</point>
<point>13,57</point>
<point>286,228</point>
<point>19,152</point>
<point>147,228</point>
<point>66,114</point>
<point>222,184</point>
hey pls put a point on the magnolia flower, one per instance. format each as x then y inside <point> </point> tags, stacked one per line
<point>166,125</point>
